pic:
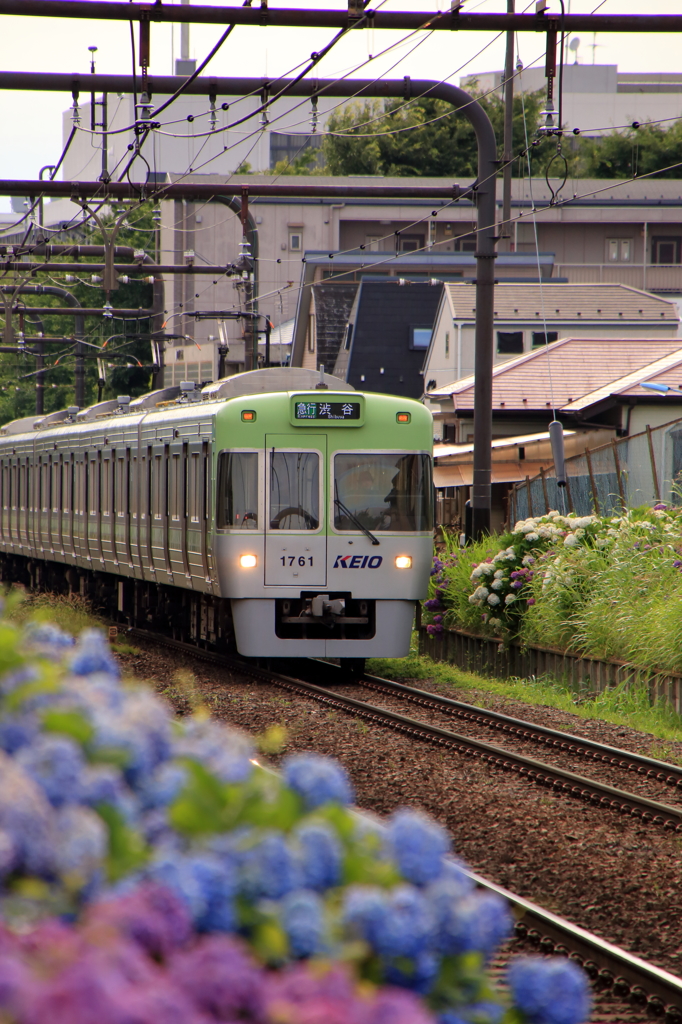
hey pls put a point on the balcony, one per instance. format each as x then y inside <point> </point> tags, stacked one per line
<point>651,277</point>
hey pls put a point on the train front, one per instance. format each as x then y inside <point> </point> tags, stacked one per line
<point>324,520</point>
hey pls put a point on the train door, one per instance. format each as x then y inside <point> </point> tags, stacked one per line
<point>295,526</point>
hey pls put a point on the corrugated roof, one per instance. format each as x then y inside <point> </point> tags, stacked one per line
<point>442,450</point>
<point>558,303</point>
<point>579,367</point>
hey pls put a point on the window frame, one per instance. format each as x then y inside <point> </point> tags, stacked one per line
<point>296,450</point>
<point>261,489</point>
<point>509,352</point>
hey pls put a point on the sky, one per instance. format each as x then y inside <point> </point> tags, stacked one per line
<point>31,123</point>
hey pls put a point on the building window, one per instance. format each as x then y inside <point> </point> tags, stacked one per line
<point>666,249</point>
<point>540,338</point>
<point>311,332</point>
<point>373,242</point>
<point>465,244</point>
<point>509,342</point>
<point>295,241</point>
<point>619,250</point>
<point>447,344</point>
<point>410,243</point>
<point>420,337</point>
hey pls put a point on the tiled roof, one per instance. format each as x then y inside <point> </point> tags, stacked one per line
<point>559,303</point>
<point>568,371</point>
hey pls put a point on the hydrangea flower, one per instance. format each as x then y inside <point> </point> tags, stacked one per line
<point>317,780</point>
<point>301,914</point>
<point>93,655</point>
<point>419,845</point>
<point>550,991</point>
<point>319,856</point>
<point>56,764</point>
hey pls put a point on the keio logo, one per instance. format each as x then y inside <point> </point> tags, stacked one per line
<point>357,562</point>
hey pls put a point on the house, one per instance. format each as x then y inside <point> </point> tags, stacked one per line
<point>528,315</point>
<point>389,330</point>
<point>586,382</point>
<point>593,386</point>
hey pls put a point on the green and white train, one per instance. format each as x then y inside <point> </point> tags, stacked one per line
<point>274,511</point>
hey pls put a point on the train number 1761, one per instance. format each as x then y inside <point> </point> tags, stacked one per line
<point>296,560</point>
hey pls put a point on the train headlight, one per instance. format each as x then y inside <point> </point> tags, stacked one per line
<point>248,561</point>
<point>403,561</point>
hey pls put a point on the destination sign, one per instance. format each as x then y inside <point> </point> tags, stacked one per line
<point>327,410</point>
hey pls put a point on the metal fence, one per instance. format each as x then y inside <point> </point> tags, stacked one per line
<point>637,470</point>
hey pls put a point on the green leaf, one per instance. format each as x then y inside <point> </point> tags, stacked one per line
<point>69,723</point>
<point>205,805</point>
<point>270,942</point>
<point>127,849</point>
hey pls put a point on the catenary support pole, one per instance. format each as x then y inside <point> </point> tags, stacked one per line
<point>506,231</point>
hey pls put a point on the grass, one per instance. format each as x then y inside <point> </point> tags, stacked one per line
<point>72,614</point>
<point>619,706</point>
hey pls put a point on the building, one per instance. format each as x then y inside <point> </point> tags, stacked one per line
<point>389,330</point>
<point>528,315</point>
<point>585,382</point>
<point>597,98</point>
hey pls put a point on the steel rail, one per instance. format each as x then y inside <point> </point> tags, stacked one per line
<point>651,767</point>
<point>608,965</point>
<point>95,10</point>
<point>559,779</point>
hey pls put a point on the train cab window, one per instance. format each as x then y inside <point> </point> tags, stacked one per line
<point>294,491</point>
<point>238,491</point>
<point>383,491</point>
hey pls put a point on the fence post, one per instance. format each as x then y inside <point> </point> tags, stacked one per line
<point>544,488</point>
<point>654,473</point>
<point>593,484</point>
<point>617,463</point>
<point>530,498</point>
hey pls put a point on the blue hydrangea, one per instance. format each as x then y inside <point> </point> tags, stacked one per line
<point>25,816</point>
<point>418,974</point>
<point>454,919</point>
<point>14,680</point>
<point>419,846</point>
<point>458,878</point>
<point>550,991</point>
<point>319,854</point>
<point>494,921</point>
<point>476,1013</point>
<point>17,731</point>
<point>48,640</point>
<point>317,780</point>
<point>225,753</point>
<point>174,870</point>
<point>103,784</point>
<point>115,732</point>
<point>8,854</point>
<point>267,866</point>
<point>301,914</point>
<point>93,655</point>
<point>395,924</point>
<point>218,884</point>
<point>56,763</point>
<point>81,841</point>
<point>162,788</point>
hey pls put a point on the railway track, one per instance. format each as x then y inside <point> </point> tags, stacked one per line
<point>611,968</point>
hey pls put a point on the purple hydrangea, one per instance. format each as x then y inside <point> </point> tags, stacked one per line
<point>150,915</point>
<point>317,780</point>
<point>319,856</point>
<point>25,817</point>
<point>419,845</point>
<point>433,604</point>
<point>301,915</point>
<point>550,991</point>
<point>220,977</point>
<point>433,630</point>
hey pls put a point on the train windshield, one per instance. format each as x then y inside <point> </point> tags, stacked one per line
<point>383,491</point>
<point>238,491</point>
<point>294,490</point>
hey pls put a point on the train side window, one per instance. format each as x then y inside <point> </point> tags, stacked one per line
<point>132,486</point>
<point>120,487</point>
<point>5,487</point>
<point>107,496</point>
<point>93,486</point>
<point>237,491</point>
<point>157,496</point>
<point>56,472</point>
<point>194,491</point>
<point>44,502</point>
<point>175,488</point>
<point>67,487</point>
<point>294,490</point>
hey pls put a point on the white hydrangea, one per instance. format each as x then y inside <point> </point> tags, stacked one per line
<point>510,598</point>
<point>487,568</point>
<point>532,536</point>
<point>495,622</point>
<point>498,585</point>
<point>571,541</point>
<point>480,593</point>
<point>499,573</point>
<point>493,599</point>
<point>476,574</point>
<point>579,533</point>
<point>527,560</point>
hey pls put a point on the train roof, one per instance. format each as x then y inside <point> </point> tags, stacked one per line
<point>252,382</point>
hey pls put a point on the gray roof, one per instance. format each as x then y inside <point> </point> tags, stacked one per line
<point>559,303</point>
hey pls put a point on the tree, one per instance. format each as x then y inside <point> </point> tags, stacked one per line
<point>637,151</point>
<point>424,138</point>
<point>128,352</point>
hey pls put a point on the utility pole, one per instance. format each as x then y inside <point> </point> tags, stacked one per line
<point>506,232</point>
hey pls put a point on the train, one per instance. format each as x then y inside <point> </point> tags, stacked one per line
<point>277,514</point>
